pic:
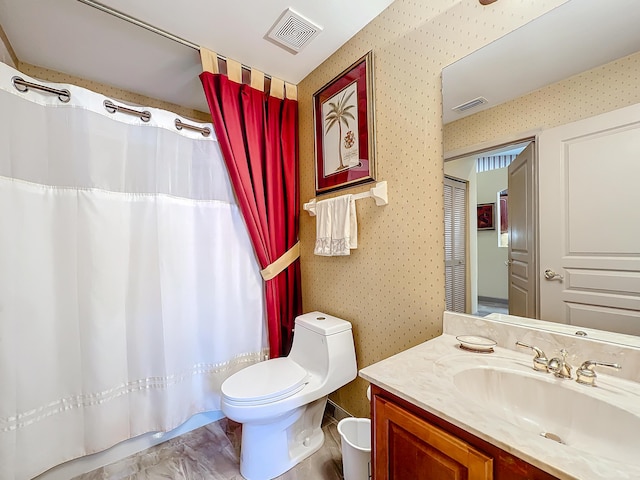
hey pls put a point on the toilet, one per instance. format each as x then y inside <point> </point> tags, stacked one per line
<point>281,402</point>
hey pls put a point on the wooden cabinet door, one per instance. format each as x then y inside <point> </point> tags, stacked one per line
<point>408,447</point>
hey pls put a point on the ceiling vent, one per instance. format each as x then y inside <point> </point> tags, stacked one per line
<point>292,31</point>
<point>470,104</point>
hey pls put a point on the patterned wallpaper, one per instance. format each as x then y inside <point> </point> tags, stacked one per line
<point>392,287</point>
<point>602,89</point>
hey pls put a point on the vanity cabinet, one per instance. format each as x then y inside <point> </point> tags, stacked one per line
<point>410,443</point>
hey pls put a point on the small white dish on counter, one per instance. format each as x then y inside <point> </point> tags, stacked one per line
<point>476,343</point>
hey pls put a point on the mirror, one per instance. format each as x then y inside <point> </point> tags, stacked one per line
<point>575,37</point>
<point>572,38</point>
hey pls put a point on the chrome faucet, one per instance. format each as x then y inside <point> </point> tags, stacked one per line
<point>559,366</point>
<point>587,376</point>
<point>540,361</point>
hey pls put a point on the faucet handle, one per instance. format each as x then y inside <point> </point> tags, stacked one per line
<point>540,361</point>
<point>586,374</point>
<point>559,366</point>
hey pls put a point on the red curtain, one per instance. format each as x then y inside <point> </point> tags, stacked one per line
<point>259,141</point>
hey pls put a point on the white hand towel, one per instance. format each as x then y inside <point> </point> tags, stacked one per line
<point>336,226</point>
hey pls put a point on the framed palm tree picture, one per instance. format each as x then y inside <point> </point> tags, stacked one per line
<point>344,128</point>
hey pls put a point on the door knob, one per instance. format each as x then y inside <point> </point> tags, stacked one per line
<point>551,275</point>
<point>508,262</point>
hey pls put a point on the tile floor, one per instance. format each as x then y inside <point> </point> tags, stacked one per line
<point>212,452</point>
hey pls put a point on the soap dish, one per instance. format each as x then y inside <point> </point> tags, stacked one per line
<point>474,343</point>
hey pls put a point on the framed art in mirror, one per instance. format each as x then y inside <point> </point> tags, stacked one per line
<point>486,214</point>
<point>343,119</point>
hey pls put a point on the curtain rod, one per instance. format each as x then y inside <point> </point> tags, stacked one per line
<point>145,116</point>
<point>111,107</point>
<point>139,23</point>
<point>22,86</point>
<point>158,31</point>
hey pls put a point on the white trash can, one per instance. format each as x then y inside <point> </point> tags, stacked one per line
<point>355,436</point>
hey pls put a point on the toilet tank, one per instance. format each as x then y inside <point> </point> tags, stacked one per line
<point>323,345</point>
<point>322,323</point>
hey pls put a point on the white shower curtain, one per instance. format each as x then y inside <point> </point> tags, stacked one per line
<point>128,285</point>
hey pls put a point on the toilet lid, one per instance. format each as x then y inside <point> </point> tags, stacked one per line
<point>276,378</point>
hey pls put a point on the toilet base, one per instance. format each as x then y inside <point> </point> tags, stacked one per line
<point>270,449</point>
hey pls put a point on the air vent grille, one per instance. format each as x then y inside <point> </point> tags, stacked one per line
<point>470,104</point>
<point>293,32</point>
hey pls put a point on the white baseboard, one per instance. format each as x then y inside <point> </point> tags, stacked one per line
<point>499,301</point>
<point>337,411</point>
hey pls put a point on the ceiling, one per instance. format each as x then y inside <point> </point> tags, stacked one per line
<point>576,36</point>
<point>74,38</point>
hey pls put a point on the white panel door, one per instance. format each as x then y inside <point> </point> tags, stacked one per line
<point>589,199</point>
<point>521,221</point>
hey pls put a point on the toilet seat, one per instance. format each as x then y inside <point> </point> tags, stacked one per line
<point>265,382</point>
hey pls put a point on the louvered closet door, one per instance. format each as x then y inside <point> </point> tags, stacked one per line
<point>455,218</point>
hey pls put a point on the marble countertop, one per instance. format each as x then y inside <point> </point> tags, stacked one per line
<point>424,375</point>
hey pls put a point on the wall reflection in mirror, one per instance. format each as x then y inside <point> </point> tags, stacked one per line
<point>579,61</point>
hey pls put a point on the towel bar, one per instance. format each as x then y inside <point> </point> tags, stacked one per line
<point>378,193</point>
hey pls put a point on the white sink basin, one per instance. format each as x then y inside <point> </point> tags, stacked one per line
<point>593,420</point>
